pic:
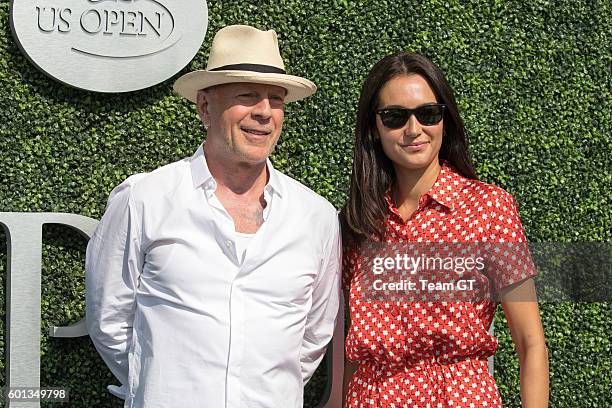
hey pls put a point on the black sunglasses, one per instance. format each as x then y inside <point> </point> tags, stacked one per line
<point>427,115</point>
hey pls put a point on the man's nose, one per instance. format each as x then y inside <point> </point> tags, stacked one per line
<point>262,108</point>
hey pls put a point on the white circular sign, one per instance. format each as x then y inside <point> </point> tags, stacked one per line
<point>110,45</point>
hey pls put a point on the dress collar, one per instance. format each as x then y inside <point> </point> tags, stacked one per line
<point>445,190</point>
<point>448,186</point>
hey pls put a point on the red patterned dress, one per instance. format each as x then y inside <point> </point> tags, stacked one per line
<point>431,354</point>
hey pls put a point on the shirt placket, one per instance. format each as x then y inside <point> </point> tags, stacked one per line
<point>224,225</point>
<point>225,237</point>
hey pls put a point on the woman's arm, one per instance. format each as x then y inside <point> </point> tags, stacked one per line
<point>349,369</point>
<point>523,315</point>
<point>349,366</point>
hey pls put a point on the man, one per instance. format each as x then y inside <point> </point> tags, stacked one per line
<point>214,281</point>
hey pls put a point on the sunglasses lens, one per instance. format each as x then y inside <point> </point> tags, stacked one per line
<point>394,118</point>
<point>429,115</point>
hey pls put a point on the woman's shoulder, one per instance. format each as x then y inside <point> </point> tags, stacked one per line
<point>486,195</point>
<point>467,191</point>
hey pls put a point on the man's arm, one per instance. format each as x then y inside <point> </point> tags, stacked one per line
<point>321,319</point>
<point>113,266</point>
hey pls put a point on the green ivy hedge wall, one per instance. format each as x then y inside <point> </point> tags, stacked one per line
<point>532,79</point>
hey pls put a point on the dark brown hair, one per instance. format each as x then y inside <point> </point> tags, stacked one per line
<point>365,212</point>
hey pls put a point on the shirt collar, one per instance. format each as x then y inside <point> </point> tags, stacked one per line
<point>200,174</point>
<point>445,190</point>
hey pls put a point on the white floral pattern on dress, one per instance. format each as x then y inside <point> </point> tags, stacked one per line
<point>431,354</point>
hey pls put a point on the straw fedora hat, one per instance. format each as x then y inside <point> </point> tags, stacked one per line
<point>241,53</point>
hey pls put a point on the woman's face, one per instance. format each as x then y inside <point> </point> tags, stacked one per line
<point>414,145</point>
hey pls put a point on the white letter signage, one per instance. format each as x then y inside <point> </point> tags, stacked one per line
<point>23,292</point>
<point>109,45</point>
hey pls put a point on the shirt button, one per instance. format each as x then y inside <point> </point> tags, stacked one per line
<point>228,243</point>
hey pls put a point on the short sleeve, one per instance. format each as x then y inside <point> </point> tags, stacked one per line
<point>507,252</point>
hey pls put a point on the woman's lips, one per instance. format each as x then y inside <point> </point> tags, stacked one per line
<point>415,146</point>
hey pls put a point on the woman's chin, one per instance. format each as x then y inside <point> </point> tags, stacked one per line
<point>415,161</point>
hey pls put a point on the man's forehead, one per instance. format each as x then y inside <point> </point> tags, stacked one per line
<point>248,86</point>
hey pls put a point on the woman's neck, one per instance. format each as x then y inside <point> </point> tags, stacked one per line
<point>411,184</point>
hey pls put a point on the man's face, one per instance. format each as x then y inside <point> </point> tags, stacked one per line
<point>244,120</point>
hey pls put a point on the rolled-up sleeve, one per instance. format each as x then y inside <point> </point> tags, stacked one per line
<point>113,266</point>
<point>321,319</point>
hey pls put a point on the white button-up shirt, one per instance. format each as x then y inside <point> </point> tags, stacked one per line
<point>181,321</point>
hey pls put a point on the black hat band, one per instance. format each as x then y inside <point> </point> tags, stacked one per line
<point>266,69</point>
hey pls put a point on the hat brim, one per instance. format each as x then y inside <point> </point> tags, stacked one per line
<point>189,84</point>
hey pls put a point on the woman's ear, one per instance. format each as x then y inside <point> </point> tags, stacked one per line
<point>375,135</point>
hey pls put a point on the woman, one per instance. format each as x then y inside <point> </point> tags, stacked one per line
<point>413,181</point>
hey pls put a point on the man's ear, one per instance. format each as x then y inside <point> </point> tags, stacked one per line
<point>202,103</point>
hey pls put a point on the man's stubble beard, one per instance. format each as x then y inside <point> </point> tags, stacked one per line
<point>243,156</point>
